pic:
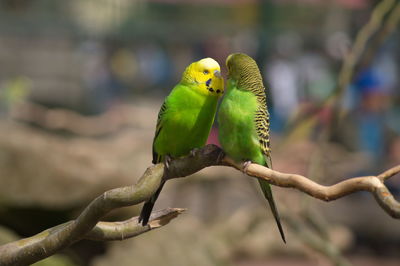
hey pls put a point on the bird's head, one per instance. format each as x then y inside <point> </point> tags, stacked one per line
<point>206,74</point>
<point>242,68</point>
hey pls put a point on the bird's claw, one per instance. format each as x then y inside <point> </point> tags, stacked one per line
<point>246,165</point>
<point>193,152</point>
<point>167,161</point>
<point>221,156</point>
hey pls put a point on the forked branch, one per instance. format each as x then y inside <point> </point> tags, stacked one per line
<point>88,225</point>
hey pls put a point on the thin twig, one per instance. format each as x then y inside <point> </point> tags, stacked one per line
<point>348,69</point>
<point>388,27</point>
<point>106,231</point>
<point>316,242</point>
<point>372,184</point>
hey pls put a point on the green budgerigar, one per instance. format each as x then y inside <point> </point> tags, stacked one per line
<point>243,120</point>
<point>186,116</point>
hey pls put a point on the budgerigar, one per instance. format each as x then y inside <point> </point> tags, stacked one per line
<point>243,120</point>
<point>186,116</point>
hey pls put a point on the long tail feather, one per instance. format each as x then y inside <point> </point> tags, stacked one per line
<point>148,206</point>
<point>266,189</point>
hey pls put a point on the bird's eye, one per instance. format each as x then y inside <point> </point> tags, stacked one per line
<point>205,72</point>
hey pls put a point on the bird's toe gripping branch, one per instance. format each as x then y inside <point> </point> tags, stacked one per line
<point>194,151</point>
<point>167,161</point>
<point>246,165</point>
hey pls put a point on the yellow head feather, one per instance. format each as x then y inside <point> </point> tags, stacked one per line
<point>206,74</point>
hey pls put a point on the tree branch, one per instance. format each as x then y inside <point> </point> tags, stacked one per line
<point>360,43</point>
<point>106,231</point>
<point>349,68</point>
<point>48,242</point>
<point>87,225</point>
<point>372,184</point>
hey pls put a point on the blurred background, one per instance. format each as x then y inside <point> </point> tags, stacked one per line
<point>81,83</point>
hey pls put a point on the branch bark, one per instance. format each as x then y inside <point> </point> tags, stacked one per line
<point>87,225</point>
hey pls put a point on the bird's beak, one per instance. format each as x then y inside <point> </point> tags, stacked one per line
<point>217,74</point>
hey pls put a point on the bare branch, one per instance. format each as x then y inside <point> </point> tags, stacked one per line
<point>315,242</point>
<point>349,69</point>
<point>87,225</point>
<point>105,231</point>
<point>388,27</point>
<point>29,250</point>
<point>212,155</point>
<point>372,184</point>
<point>389,173</point>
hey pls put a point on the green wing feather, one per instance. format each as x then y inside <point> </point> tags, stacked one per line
<point>261,119</point>
<point>185,118</point>
<point>160,119</point>
<point>157,158</point>
<point>244,77</point>
<point>262,128</point>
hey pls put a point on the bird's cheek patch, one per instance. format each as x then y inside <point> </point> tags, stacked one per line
<point>210,89</point>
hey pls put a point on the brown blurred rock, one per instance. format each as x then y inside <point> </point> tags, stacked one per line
<point>39,168</point>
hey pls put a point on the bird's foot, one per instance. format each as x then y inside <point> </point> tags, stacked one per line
<point>221,156</point>
<point>246,165</point>
<point>193,152</point>
<point>167,161</point>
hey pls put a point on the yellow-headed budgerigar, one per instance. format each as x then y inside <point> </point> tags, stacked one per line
<point>243,120</point>
<point>186,116</point>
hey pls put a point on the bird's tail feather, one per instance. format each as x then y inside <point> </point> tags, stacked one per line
<point>266,189</point>
<point>148,206</point>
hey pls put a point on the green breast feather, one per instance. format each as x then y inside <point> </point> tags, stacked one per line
<point>184,122</point>
<point>243,120</point>
<point>185,118</point>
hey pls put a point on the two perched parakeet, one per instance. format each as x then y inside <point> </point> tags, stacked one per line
<point>186,116</point>
<point>243,120</point>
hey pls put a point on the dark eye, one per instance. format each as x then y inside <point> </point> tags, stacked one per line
<point>206,72</point>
